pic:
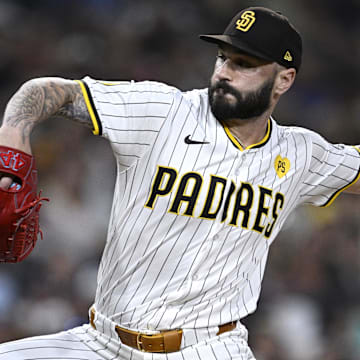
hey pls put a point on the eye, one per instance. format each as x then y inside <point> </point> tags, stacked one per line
<point>244,64</point>
<point>221,57</point>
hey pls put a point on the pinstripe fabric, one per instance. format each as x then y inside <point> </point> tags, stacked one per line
<point>163,269</point>
<point>192,223</point>
<point>85,343</point>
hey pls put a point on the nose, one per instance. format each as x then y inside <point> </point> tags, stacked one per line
<point>223,71</point>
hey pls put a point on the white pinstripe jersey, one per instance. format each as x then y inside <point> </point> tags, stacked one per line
<point>191,223</point>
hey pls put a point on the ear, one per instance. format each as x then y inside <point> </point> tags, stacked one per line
<point>284,80</point>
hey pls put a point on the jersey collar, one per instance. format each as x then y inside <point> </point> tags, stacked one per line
<point>253,146</point>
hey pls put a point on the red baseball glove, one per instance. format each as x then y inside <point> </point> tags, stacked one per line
<point>19,206</point>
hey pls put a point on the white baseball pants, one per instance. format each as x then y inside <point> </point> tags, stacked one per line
<point>86,343</point>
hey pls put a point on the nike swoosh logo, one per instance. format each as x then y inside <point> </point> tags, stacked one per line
<point>193,142</point>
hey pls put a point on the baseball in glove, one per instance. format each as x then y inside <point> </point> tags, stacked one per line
<point>19,206</point>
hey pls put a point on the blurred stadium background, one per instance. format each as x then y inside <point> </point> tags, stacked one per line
<point>310,303</point>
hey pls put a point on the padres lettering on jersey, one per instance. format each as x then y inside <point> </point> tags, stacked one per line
<point>167,181</point>
<point>194,213</point>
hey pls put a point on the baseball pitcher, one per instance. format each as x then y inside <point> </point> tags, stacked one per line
<point>205,181</point>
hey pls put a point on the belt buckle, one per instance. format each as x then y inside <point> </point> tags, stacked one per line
<point>139,343</point>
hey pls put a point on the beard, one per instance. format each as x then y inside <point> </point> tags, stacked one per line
<point>247,105</point>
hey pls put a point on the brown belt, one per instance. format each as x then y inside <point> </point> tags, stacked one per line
<point>163,342</point>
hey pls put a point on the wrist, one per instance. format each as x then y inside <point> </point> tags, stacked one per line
<point>15,138</point>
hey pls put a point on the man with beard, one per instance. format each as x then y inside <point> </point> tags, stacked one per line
<point>206,179</point>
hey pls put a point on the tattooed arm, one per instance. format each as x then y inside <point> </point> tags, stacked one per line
<point>36,101</point>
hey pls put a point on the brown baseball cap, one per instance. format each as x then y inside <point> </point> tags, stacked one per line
<point>263,33</point>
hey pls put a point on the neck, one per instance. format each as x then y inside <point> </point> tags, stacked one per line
<point>249,131</point>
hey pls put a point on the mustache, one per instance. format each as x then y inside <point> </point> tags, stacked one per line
<point>223,85</point>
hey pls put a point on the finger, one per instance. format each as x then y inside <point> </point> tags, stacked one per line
<point>5,182</point>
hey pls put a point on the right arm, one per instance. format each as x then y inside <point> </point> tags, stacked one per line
<point>36,101</point>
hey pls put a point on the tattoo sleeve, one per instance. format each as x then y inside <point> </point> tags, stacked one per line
<point>76,110</point>
<point>42,98</point>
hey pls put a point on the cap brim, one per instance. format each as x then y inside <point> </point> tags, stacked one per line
<point>235,42</point>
